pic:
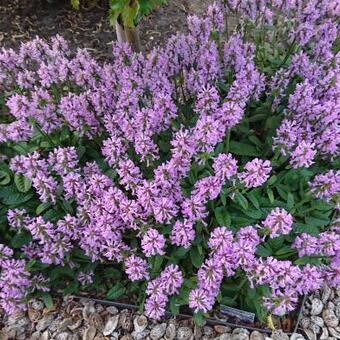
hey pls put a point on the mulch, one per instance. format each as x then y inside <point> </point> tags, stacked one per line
<point>22,20</point>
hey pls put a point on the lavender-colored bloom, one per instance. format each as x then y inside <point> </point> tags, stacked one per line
<point>85,278</point>
<point>153,243</point>
<point>303,155</point>
<point>326,185</point>
<point>164,210</point>
<point>280,303</point>
<point>255,173</point>
<point>311,279</point>
<point>171,279</point>
<point>136,268</point>
<point>225,166</point>
<point>329,243</point>
<point>17,218</point>
<point>220,240</point>
<point>5,253</point>
<point>199,300</point>
<point>306,244</point>
<point>278,222</point>
<point>63,160</point>
<point>182,234</point>
<point>155,306</point>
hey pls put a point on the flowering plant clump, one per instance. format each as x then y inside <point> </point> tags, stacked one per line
<point>204,172</point>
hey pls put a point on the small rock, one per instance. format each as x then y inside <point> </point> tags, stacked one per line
<point>237,331</point>
<point>112,310</point>
<point>317,306</point>
<point>37,305</point>
<point>326,293</point>
<point>337,310</point>
<point>96,321</point>
<point>88,310</point>
<point>184,333</point>
<point>125,321</point>
<point>90,333</point>
<point>225,336</point>
<point>255,335</point>
<point>64,336</point>
<point>310,334</point>
<point>99,308</point>
<point>140,323</point>
<point>126,337</point>
<point>34,336</point>
<point>115,336</point>
<point>208,331</point>
<point>158,331</point>
<point>198,332</point>
<point>44,322</point>
<point>75,325</point>
<point>315,328</point>
<point>240,334</point>
<point>317,320</point>
<point>334,332</point>
<point>305,322</point>
<point>331,320</point>
<point>111,325</point>
<point>64,324</point>
<point>220,329</point>
<point>325,334</point>
<point>279,335</point>
<point>170,332</point>
<point>297,336</point>
<point>331,305</point>
<point>240,337</point>
<point>45,336</point>
<point>141,335</point>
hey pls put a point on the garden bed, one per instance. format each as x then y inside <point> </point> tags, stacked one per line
<point>183,179</point>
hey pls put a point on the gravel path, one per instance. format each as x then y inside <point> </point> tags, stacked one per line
<point>72,319</point>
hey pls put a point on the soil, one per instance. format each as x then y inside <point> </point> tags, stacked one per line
<point>22,20</point>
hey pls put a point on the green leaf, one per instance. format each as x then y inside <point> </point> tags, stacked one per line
<point>180,252</point>
<point>272,180</point>
<point>71,288</point>
<point>75,4</point>
<point>286,250</point>
<point>156,263</point>
<point>11,196</point>
<point>252,198</point>
<point>42,207</point>
<point>174,306</point>
<point>60,272</point>
<point>116,291</point>
<point>196,257</point>
<point>23,183</point>
<point>308,260</point>
<point>241,200</point>
<point>48,301</point>
<point>222,216</point>
<point>130,13</point>
<point>112,273</point>
<point>256,214</point>
<point>303,228</point>
<point>243,149</point>
<point>321,205</point>
<point>290,201</point>
<point>316,222</point>
<point>270,195</point>
<point>261,250</point>
<point>199,319</point>
<point>21,238</point>
<point>4,178</point>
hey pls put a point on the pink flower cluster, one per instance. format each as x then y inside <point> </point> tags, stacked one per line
<point>123,108</point>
